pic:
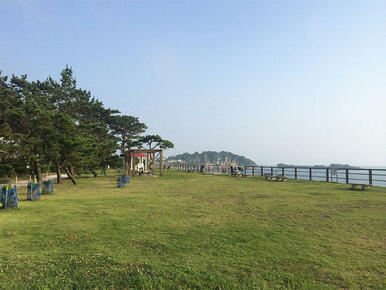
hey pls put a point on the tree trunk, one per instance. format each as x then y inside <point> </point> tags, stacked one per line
<point>93,172</point>
<point>128,166</point>
<point>58,173</point>
<point>38,171</point>
<point>71,170</point>
<point>70,175</point>
<point>124,169</point>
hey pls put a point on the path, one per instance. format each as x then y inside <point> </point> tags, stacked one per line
<point>23,183</point>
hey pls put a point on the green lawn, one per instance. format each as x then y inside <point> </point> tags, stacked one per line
<point>196,231</point>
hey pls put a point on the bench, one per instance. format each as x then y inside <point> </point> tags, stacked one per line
<point>269,177</point>
<point>242,175</point>
<point>361,185</point>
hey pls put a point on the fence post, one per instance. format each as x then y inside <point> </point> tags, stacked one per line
<point>296,173</point>
<point>347,181</point>
<point>371,176</point>
<point>261,170</point>
<point>310,173</point>
<point>253,170</point>
<point>271,171</point>
<point>245,170</point>
<point>282,171</point>
<point>326,174</point>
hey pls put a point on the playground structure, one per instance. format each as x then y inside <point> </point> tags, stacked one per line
<point>139,162</point>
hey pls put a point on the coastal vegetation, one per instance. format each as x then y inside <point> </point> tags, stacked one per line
<point>188,230</point>
<point>55,126</point>
<point>212,158</point>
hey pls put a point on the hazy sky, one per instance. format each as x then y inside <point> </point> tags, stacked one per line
<point>299,82</point>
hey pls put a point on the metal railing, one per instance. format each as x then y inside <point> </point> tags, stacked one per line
<point>373,176</point>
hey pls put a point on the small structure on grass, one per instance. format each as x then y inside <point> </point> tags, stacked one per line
<point>122,180</point>
<point>362,186</point>
<point>8,197</point>
<point>48,187</point>
<point>139,161</point>
<point>278,178</point>
<point>33,191</point>
<point>238,172</point>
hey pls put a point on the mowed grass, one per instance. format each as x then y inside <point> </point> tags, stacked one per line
<point>196,231</point>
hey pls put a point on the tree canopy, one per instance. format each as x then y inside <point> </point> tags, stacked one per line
<point>55,125</point>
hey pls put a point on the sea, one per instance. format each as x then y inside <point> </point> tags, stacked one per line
<point>358,175</point>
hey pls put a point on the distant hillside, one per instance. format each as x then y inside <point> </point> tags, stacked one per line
<point>211,157</point>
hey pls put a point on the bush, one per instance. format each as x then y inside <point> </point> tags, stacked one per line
<point>10,167</point>
<point>6,170</point>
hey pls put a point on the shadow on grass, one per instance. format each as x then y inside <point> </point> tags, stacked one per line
<point>349,189</point>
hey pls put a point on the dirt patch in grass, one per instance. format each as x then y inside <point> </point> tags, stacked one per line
<point>68,239</point>
<point>149,246</point>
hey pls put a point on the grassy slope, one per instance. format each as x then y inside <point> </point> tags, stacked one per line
<point>196,231</point>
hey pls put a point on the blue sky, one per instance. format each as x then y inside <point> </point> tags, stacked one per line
<point>299,82</point>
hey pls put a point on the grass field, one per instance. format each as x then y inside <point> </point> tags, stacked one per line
<point>196,231</point>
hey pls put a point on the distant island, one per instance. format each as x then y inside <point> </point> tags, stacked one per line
<point>341,166</point>
<point>211,158</point>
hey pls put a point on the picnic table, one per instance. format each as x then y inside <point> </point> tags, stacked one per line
<point>269,177</point>
<point>361,185</point>
<point>242,175</point>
